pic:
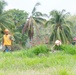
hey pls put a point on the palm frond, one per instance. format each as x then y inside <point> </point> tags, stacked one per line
<point>35,7</point>
<point>2,5</point>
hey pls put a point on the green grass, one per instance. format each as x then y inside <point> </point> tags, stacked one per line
<point>53,63</point>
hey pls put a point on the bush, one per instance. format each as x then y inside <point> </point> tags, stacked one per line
<point>69,49</point>
<point>38,49</point>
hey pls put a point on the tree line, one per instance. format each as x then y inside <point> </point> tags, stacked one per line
<point>22,26</point>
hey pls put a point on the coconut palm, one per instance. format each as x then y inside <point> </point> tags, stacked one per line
<point>60,27</point>
<point>33,21</point>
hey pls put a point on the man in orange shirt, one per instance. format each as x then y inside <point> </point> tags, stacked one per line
<point>7,40</point>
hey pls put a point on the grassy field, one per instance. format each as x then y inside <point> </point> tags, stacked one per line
<point>53,63</point>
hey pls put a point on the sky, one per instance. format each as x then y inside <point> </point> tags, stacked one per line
<point>45,7</point>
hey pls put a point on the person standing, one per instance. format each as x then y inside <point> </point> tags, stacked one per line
<point>7,41</point>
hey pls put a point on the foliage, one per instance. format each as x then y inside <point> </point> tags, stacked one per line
<point>40,49</point>
<point>19,38</point>
<point>33,21</point>
<point>69,49</point>
<point>61,30</point>
<point>4,22</point>
<point>72,18</point>
<point>2,5</point>
<point>18,16</point>
<point>58,63</point>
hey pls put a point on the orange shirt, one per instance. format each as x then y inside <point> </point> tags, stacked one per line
<point>6,40</point>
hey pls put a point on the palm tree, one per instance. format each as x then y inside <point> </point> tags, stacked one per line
<point>4,21</point>
<point>33,21</point>
<point>2,5</point>
<point>60,29</point>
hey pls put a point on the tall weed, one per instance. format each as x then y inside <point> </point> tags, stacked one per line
<point>69,49</point>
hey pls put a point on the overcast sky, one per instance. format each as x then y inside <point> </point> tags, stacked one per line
<point>45,7</point>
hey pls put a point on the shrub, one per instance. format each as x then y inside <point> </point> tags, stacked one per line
<point>66,48</point>
<point>69,49</point>
<point>40,49</point>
